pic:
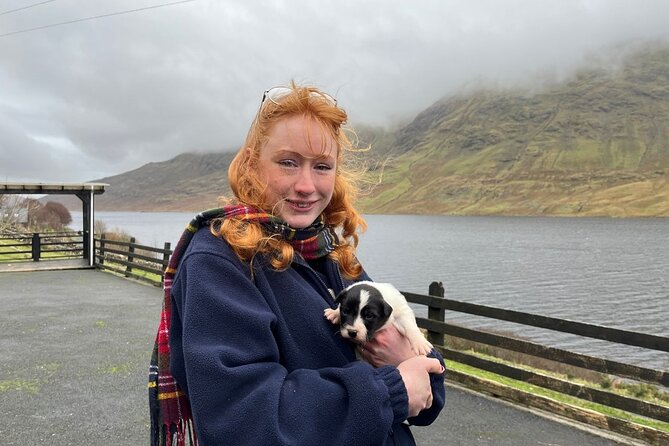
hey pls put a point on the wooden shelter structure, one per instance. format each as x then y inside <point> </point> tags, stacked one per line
<point>86,193</point>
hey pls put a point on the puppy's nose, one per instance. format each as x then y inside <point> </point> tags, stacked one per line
<point>352,333</point>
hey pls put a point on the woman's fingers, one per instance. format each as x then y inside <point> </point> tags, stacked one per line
<point>415,373</point>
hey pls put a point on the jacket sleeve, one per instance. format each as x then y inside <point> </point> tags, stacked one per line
<point>225,356</point>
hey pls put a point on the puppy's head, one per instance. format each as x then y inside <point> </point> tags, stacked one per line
<point>363,311</point>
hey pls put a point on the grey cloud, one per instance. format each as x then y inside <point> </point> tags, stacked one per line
<point>104,96</point>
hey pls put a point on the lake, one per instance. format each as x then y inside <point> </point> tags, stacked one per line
<point>611,272</point>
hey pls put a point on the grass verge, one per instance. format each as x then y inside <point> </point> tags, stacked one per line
<point>118,269</point>
<point>557,396</point>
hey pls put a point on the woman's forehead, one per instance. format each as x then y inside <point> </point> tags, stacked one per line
<point>304,133</point>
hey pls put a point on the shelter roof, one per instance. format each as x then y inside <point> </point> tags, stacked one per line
<point>52,188</point>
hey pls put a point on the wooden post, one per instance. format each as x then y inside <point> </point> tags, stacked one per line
<point>436,289</point>
<point>131,258</point>
<point>36,247</point>
<point>166,258</point>
<point>87,227</point>
<point>102,249</point>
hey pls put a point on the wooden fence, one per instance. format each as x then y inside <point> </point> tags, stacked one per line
<point>140,262</point>
<point>438,329</point>
<point>148,263</point>
<point>41,245</point>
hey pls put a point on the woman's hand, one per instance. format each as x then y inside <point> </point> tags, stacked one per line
<point>415,373</point>
<point>388,347</point>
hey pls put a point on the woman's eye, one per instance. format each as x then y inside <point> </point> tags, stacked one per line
<point>288,163</point>
<point>323,167</point>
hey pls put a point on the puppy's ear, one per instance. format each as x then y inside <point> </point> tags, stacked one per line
<point>387,309</point>
<point>340,296</point>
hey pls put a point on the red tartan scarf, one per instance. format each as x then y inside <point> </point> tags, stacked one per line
<point>171,417</point>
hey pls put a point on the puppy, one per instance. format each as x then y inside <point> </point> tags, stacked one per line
<point>366,307</point>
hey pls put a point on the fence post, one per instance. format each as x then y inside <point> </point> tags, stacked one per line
<point>435,313</point>
<point>166,258</point>
<point>36,247</point>
<point>131,250</point>
<point>102,249</point>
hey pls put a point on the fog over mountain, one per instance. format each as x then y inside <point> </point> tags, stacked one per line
<point>94,89</point>
<point>595,144</point>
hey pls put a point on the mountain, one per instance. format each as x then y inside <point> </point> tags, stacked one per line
<point>596,144</point>
<point>188,182</point>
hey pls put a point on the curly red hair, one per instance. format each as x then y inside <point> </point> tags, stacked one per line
<point>246,239</point>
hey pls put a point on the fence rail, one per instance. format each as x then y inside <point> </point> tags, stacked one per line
<point>438,329</point>
<point>130,259</point>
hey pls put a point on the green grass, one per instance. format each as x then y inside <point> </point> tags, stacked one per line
<point>113,369</point>
<point>6,253</point>
<point>119,270</point>
<point>19,385</point>
<point>557,396</point>
<point>646,392</point>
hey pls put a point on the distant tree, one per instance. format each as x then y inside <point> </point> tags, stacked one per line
<point>99,227</point>
<point>12,212</point>
<point>51,215</point>
<point>34,212</point>
<point>59,210</point>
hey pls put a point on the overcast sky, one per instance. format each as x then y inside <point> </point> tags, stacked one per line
<point>99,97</point>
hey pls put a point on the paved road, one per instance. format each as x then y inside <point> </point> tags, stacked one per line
<point>74,349</point>
<point>473,419</point>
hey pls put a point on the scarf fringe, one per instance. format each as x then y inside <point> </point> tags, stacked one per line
<point>182,434</point>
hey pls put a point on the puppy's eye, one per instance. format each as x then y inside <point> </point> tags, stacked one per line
<point>369,316</point>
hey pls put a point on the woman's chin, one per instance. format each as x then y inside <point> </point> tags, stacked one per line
<point>300,221</point>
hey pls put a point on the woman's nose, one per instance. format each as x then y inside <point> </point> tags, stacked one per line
<point>304,184</point>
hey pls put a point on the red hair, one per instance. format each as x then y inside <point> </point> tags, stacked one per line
<point>248,239</point>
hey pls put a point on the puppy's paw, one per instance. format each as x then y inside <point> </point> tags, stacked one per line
<point>420,345</point>
<point>332,315</point>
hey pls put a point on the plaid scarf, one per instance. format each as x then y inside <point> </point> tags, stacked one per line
<point>171,417</point>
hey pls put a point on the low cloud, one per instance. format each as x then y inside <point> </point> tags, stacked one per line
<point>100,97</point>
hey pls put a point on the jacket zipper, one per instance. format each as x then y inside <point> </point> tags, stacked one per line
<point>329,298</point>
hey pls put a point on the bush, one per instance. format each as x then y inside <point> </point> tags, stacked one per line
<point>60,211</point>
<point>51,215</point>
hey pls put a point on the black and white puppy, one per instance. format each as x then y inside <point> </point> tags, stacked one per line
<point>366,307</point>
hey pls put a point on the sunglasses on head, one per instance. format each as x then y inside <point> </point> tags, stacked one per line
<point>275,94</point>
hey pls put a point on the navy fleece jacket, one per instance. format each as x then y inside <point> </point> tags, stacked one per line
<point>262,366</point>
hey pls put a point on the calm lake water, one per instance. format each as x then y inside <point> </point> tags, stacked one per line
<point>611,272</point>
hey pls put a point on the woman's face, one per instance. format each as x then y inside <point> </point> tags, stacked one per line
<point>299,164</point>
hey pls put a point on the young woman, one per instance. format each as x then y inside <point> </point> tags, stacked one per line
<point>243,342</point>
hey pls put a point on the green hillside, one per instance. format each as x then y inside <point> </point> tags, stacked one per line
<point>188,182</point>
<point>596,145</point>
